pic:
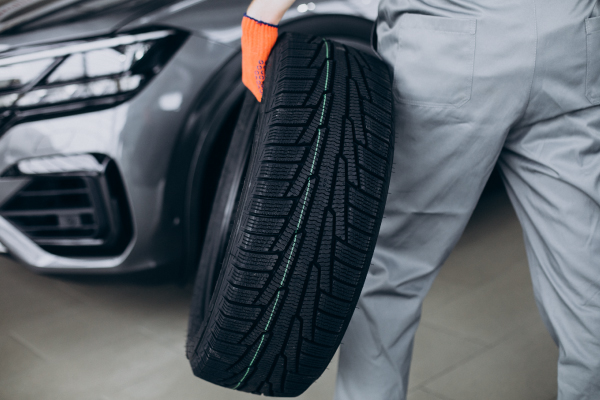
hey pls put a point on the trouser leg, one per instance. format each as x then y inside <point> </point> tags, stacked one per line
<point>443,158</point>
<point>552,174</point>
<point>426,212</point>
<point>451,121</point>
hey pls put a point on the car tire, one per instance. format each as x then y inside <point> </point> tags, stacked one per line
<point>223,210</point>
<point>307,221</point>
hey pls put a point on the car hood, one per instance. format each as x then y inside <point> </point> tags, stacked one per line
<point>27,15</point>
<point>32,22</point>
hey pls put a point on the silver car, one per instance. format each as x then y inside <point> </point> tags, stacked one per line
<point>115,116</point>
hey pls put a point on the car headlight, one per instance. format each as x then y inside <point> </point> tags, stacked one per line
<point>76,76</point>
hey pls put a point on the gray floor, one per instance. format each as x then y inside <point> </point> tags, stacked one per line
<point>121,338</point>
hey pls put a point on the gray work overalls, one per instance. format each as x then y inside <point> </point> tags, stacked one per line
<point>478,82</point>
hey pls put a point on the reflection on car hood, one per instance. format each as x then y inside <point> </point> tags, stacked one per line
<point>25,15</point>
<point>32,22</point>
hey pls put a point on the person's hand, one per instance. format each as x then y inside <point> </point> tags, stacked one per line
<point>258,38</point>
<point>259,34</point>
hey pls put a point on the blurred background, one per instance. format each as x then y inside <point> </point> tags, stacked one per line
<point>116,122</point>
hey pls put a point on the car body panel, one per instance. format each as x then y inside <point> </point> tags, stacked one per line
<point>143,134</point>
<point>72,25</point>
<point>135,135</point>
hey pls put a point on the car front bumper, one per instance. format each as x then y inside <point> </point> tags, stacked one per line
<point>139,136</point>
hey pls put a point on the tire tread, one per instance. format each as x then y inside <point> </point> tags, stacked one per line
<point>298,258</point>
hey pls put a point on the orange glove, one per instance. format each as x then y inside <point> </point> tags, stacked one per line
<point>258,38</point>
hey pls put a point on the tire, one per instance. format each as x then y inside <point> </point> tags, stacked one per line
<point>307,221</point>
<point>222,213</point>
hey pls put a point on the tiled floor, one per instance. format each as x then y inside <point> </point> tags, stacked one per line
<point>123,338</point>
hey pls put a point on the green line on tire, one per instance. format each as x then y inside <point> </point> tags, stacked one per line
<point>299,219</point>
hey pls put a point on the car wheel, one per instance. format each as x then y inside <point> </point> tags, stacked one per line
<point>307,221</point>
<point>223,210</point>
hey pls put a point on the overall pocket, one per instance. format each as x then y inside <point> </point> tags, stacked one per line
<point>434,61</point>
<point>592,76</point>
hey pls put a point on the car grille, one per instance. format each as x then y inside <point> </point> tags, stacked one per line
<point>77,213</point>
